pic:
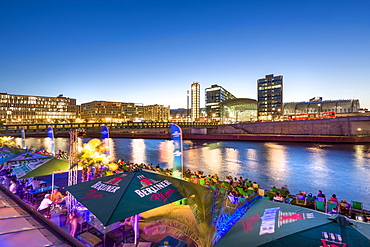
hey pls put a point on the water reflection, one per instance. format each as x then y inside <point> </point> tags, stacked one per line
<point>166,149</point>
<point>138,151</point>
<point>276,161</point>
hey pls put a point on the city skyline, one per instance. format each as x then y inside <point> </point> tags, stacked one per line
<point>151,51</point>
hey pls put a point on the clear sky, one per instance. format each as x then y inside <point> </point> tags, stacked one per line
<point>151,51</point>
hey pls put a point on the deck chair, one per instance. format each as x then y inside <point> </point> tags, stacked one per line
<point>330,206</point>
<point>201,181</point>
<point>357,206</point>
<point>310,200</point>
<point>256,186</point>
<point>300,199</point>
<point>288,200</point>
<point>250,191</point>
<point>320,206</point>
<point>284,193</point>
<point>241,191</point>
<point>270,195</point>
<point>248,184</point>
<point>222,191</point>
<point>231,202</point>
<point>261,192</point>
<point>275,190</point>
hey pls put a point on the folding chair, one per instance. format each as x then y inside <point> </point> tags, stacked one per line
<point>270,195</point>
<point>275,190</point>
<point>222,191</point>
<point>261,192</point>
<point>330,206</point>
<point>357,205</point>
<point>231,202</point>
<point>320,206</point>
<point>301,199</point>
<point>284,193</point>
<point>241,191</point>
<point>310,200</point>
<point>250,191</point>
<point>288,200</point>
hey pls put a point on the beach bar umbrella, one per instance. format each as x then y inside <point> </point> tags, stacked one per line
<point>117,197</point>
<point>34,165</point>
<point>269,223</point>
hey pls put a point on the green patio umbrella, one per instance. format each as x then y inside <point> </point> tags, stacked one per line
<point>120,196</point>
<point>274,224</point>
<point>34,165</point>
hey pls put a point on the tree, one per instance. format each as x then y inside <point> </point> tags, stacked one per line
<point>91,157</point>
<point>201,228</point>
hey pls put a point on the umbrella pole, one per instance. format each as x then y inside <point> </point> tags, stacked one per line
<point>136,229</point>
<point>52,182</point>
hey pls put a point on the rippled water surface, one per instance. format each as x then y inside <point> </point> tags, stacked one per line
<point>343,169</point>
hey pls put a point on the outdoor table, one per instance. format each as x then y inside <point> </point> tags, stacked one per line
<point>31,195</point>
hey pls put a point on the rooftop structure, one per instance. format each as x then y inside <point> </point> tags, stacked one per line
<point>317,106</point>
<point>238,110</point>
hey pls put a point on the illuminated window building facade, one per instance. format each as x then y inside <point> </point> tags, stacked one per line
<point>159,113</point>
<point>24,109</point>
<point>214,96</point>
<point>195,101</point>
<point>270,97</point>
<point>105,111</point>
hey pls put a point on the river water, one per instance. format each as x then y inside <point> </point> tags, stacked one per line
<point>343,169</point>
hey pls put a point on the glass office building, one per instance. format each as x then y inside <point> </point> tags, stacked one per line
<point>214,95</point>
<point>270,97</point>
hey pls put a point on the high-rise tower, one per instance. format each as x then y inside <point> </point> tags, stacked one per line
<point>270,97</point>
<point>195,101</point>
<point>214,96</point>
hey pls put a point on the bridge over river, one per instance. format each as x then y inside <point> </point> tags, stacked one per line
<point>353,129</point>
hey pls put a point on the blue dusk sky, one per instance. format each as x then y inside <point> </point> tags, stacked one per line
<point>151,51</point>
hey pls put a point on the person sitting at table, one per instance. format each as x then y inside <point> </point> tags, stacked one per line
<point>56,196</point>
<point>44,207</point>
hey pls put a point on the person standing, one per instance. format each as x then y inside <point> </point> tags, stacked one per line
<point>73,222</point>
